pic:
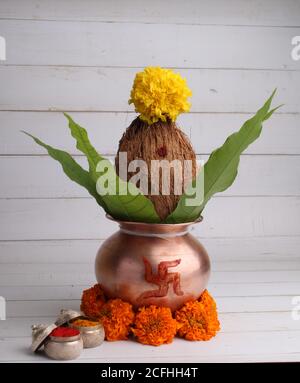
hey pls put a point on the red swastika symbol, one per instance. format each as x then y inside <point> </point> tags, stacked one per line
<point>162,279</point>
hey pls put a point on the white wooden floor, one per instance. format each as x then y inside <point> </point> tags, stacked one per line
<point>254,300</point>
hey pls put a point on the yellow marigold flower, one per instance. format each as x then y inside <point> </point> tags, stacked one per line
<point>159,94</point>
<point>198,320</point>
<point>116,317</point>
<point>154,325</point>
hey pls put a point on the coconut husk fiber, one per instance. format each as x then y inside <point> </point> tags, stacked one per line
<point>159,141</point>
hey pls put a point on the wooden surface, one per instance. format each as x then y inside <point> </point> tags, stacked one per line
<point>82,59</point>
<point>254,301</point>
<point>216,12</point>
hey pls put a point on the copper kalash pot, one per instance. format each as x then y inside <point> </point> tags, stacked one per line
<point>160,264</point>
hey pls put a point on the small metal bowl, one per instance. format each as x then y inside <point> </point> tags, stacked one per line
<point>92,336</point>
<point>63,348</point>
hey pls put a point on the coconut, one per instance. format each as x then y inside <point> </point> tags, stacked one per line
<point>159,96</point>
<point>159,141</point>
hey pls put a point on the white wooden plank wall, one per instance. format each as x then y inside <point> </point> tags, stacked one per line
<point>81,57</point>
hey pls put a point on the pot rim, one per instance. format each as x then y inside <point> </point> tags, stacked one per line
<point>200,219</point>
<point>96,327</point>
<point>154,229</point>
<point>65,339</point>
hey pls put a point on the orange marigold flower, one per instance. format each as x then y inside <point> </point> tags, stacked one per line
<point>198,320</point>
<point>208,301</point>
<point>92,301</point>
<point>154,325</point>
<point>116,317</point>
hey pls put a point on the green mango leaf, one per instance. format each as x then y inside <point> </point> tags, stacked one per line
<point>71,168</point>
<point>222,166</point>
<point>83,144</point>
<point>125,202</point>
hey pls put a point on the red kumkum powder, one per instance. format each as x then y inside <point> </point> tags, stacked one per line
<point>63,332</point>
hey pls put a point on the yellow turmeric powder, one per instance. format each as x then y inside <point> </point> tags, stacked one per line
<point>85,323</point>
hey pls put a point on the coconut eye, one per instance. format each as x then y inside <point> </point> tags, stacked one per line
<point>162,151</point>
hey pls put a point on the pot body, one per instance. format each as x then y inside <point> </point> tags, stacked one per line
<point>159,264</point>
<point>91,336</point>
<point>64,348</point>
